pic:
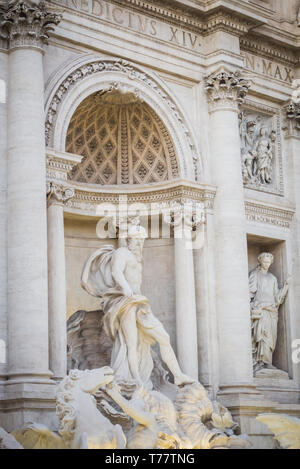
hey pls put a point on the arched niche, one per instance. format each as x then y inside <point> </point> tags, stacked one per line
<point>89,75</point>
<point>122,141</point>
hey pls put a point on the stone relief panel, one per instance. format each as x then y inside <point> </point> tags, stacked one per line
<point>122,141</point>
<point>261,151</point>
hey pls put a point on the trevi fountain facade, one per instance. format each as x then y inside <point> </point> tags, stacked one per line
<point>150,224</point>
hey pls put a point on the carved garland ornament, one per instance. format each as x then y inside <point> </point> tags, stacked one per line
<point>26,23</point>
<point>127,68</point>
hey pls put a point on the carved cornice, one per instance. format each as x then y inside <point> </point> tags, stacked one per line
<point>265,48</point>
<point>156,200</point>
<point>197,20</point>
<point>227,22</point>
<point>25,23</point>
<point>59,164</point>
<point>200,21</point>
<point>275,216</point>
<point>171,197</point>
<point>292,119</point>
<point>226,89</point>
<point>57,193</point>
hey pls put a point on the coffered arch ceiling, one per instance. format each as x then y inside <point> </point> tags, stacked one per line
<point>122,141</point>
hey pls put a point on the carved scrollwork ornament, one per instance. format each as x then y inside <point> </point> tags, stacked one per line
<point>292,119</point>
<point>189,217</point>
<point>226,89</point>
<point>58,194</point>
<point>25,23</point>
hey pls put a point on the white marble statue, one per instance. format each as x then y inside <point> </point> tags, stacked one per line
<point>81,424</point>
<point>115,276</point>
<point>264,155</point>
<point>159,427</point>
<point>192,421</point>
<point>286,429</point>
<point>248,152</point>
<point>265,300</point>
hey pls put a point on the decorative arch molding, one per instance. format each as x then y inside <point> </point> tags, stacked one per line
<point>89,74</point>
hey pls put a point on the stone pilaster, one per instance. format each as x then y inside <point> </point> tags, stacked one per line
<point>26,26</point>
<point>3,214</point>
<point>225,90</point>
<point>292,143</point>
<point>208,354</point>
<point>57,196</point>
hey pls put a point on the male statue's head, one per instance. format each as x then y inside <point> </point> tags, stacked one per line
<point>251,127</point>
<point>264,131</point>
<point>136,238</point>
<point>265,260</point>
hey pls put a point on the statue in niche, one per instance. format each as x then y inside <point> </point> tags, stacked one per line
<point>265,300</point>
<point>257,151</point>
<point>264,155</point>
<point>248,153</point>
<point>115,276</point>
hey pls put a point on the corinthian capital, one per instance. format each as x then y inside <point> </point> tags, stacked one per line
<point>226,89</point>
<point>26,23</point>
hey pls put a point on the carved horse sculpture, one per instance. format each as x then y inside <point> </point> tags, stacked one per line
<point>191,422</point>
<point>82,426</point>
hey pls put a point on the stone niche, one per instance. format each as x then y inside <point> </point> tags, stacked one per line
<point>158,279</point>
<point>257,245</point>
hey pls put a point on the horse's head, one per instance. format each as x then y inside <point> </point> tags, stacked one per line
<point>91,380</point>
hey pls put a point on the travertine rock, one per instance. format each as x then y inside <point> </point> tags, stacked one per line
<point>286,429</point>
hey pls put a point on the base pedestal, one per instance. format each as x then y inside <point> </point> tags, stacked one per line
<point>245,404</point>
<point>266,373</point>
<point>25,402</point>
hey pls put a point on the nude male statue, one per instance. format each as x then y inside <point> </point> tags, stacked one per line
<point>116,277</point>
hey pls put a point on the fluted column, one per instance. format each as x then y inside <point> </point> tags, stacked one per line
<point>27,25</point>
<point>292,142</point>
<point>186,321</point>
<point>57,195</point>
<point>208,353</point>
<point>225,91</point>
<point>3,215</point>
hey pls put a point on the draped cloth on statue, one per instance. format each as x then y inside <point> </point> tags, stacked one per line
<point>266,298</point>
<point>97,280</point>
